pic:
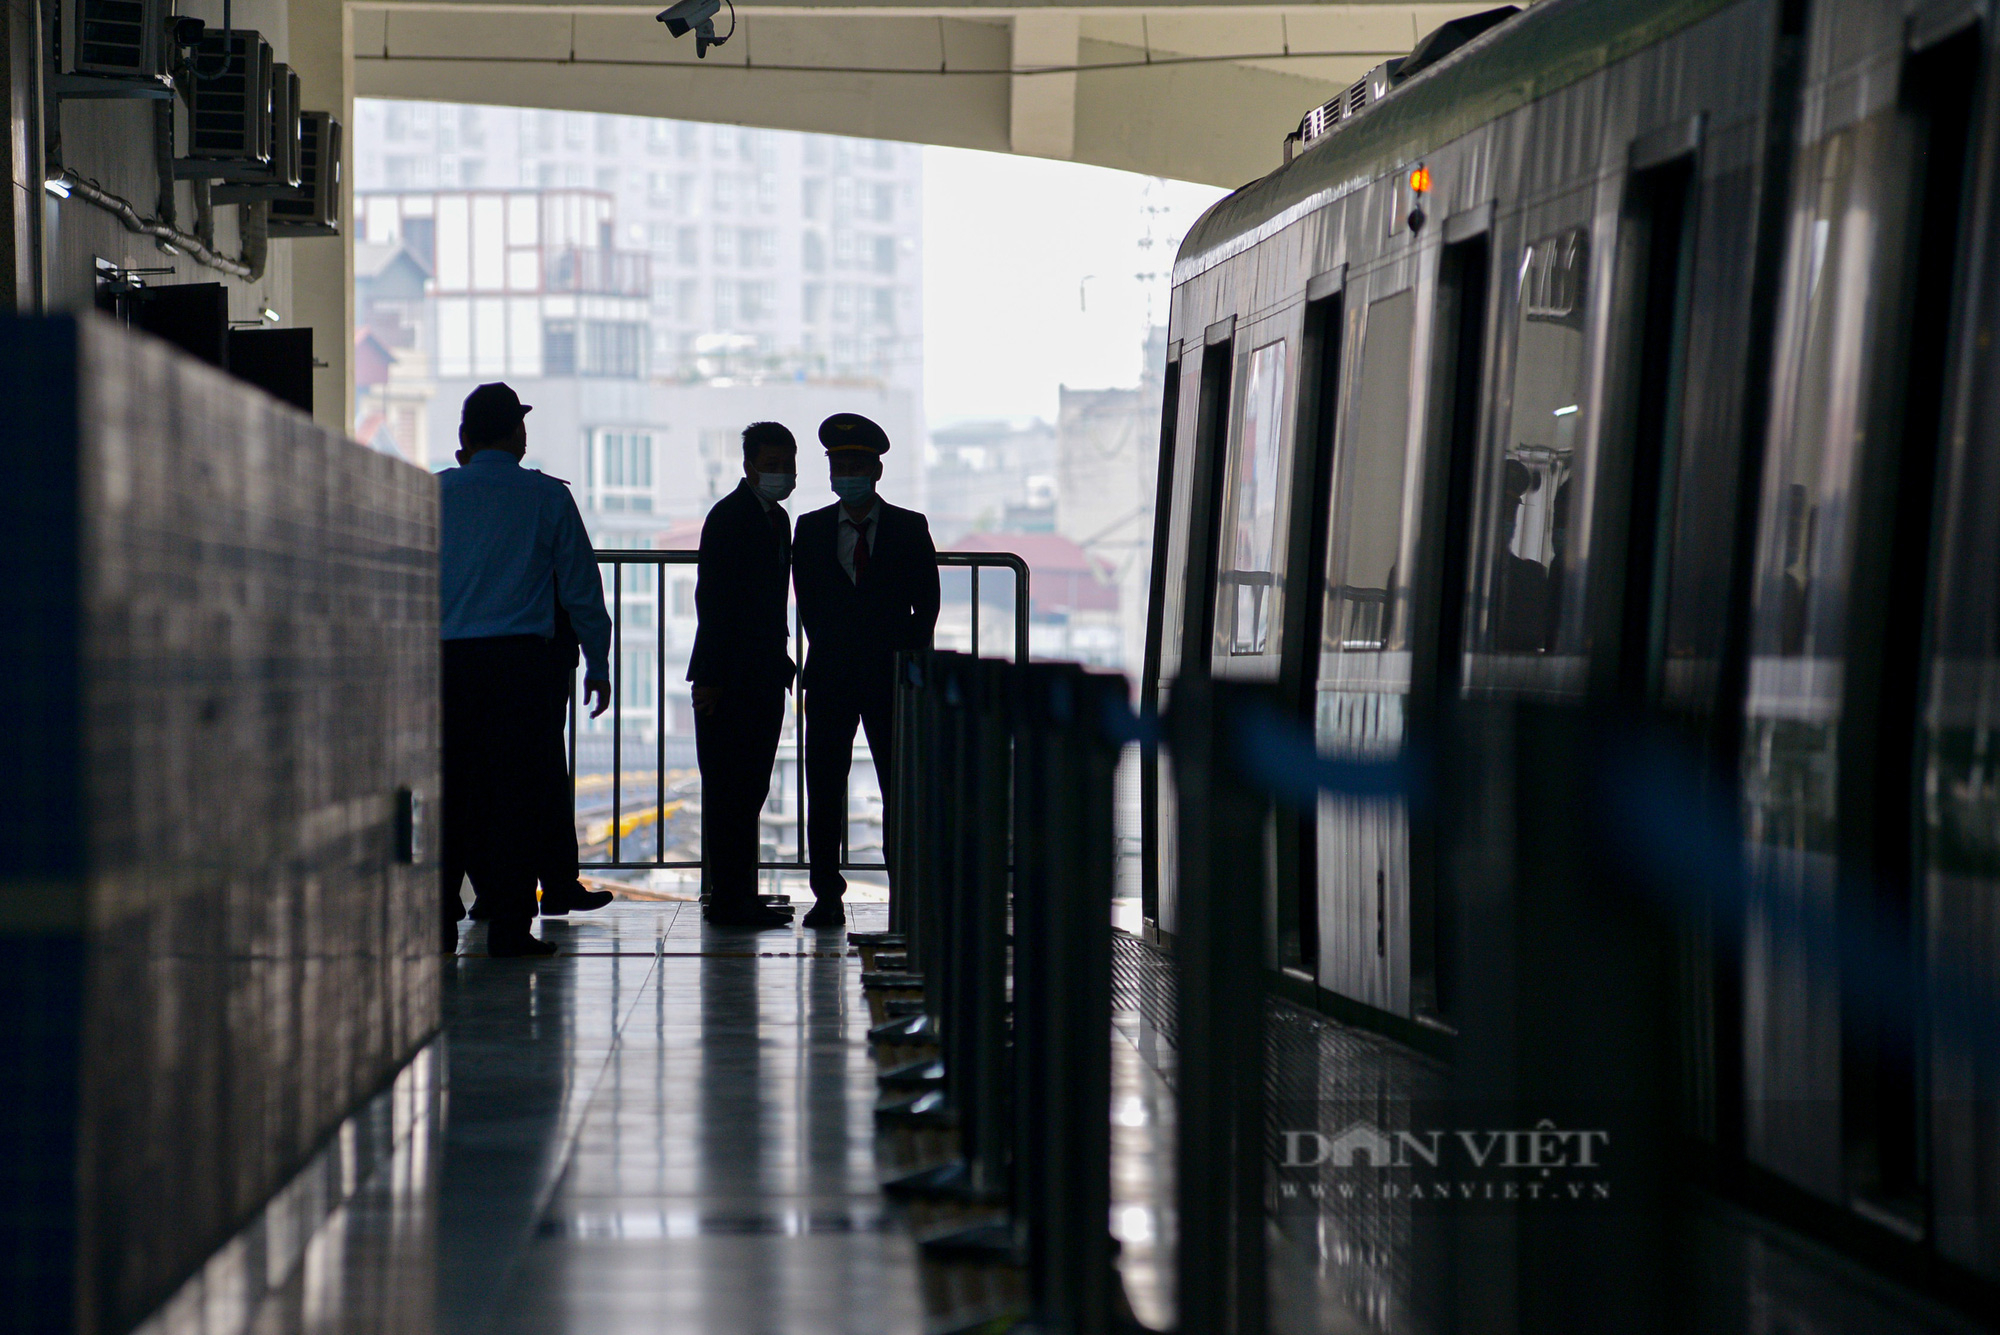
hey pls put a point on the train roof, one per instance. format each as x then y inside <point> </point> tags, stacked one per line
<point>1535,53</point>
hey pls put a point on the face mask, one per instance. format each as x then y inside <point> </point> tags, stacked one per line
<point>775,486</point>
<point>853,490</point>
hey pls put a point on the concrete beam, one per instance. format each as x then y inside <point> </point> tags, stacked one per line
<point>1042,89</point>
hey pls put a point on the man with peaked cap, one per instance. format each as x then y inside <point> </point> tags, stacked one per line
<point>742,670</point>
<point>867,581</point>
<point>507,536</point>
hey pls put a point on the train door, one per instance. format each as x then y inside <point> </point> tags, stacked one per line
<point>1438,632</point>
<point>1186,607</point>
<point>1882,1019</point>
<point>1834,1032</point>
<point>1636,490</point>
<point>1253,573</point>
<point>1317,419</point>
<point>1150,678</point>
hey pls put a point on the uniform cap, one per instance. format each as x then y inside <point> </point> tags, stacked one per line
<point>852,431</point>
<point>492,412</point>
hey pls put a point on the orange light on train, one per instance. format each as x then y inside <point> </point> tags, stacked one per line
<point>1420,180</point>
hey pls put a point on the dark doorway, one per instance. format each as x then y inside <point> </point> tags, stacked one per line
<point>1437,629</point>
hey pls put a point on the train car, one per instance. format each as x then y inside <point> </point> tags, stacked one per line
<point>1638,352</point>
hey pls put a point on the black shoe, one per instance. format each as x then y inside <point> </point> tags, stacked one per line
<point>480,913</point>
<point>523,946</point>
<point>555,904</point>
<point>757,917</point>
<point>826,913</point>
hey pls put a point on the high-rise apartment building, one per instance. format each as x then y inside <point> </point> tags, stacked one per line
<point>650,286</point>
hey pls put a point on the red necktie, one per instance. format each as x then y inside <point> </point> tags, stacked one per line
<point>860,549</point>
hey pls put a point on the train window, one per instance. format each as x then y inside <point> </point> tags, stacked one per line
<point>1247,590</point>
<point>1810,472</point>
<point>1532,581</point>
<point>1368,498</point>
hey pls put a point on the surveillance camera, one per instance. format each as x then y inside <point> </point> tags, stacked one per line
<point>698,16</point>
<point>689,14</point>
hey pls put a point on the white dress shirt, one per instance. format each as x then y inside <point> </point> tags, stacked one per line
<point>850,530</point>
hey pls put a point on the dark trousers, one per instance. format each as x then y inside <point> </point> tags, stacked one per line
<point>556,861</point>
<point>736,745</point>
<point>831,717</point>
<point>496,748</point>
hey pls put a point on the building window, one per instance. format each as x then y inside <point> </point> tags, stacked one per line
<point>659,136</point>
<point>758,247</point>
<point>724,187</point>
<point>725,303</point>
<point>725,245</point>
<point>812,303</point>
<point>757,301</point>
<point>885,307</point>
<point>843,249</point>
<point>885,202</point>
<point>813,252</point>
<point>885,254</point>
<point>812,196</point>
<point>618,471</point>
<point>683,597</point>
<point>614,349</point>
<point>843,302</point>
<point>607,178</point>
<point>607,134</point>
<point>559,347</point>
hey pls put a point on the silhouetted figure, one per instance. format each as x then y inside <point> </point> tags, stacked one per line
<point>556,863</point>
<point>1521,623</point>
<point>867,581</point>
<point>506,535</point>
<point>741,670</point>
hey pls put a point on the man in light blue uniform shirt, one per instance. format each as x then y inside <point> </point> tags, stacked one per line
<point>507,537</point>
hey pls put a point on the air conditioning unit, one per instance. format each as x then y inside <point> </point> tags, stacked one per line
<point>248,181</point>
<point>117,39</point>
<point>314,208</point>
<point>229,113</point>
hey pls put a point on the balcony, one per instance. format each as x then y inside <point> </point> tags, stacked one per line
<point>603,273</point>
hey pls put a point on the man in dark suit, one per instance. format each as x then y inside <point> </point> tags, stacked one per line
<point>741,671</point>
<point>867,581</point>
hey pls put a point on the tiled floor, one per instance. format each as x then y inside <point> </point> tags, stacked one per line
<point>666,1128</point>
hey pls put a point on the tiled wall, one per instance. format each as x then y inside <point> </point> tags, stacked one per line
<point>224,624</point>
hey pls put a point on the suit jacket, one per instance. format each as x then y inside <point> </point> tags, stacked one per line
<point>855,631</point>
<point>739,597</point>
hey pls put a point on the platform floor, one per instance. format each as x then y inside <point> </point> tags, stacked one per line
<point>668,1128</point>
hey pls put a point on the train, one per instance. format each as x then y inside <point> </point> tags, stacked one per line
<point>1638,352</point>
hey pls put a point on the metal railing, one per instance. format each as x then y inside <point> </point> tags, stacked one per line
<point>642,577</point>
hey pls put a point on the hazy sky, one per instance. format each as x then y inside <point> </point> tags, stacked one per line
<point>1031,278</point>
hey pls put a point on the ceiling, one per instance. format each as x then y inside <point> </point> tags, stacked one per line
<point>1198,91</point>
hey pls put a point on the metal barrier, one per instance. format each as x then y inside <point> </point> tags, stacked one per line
<point>1013,823</point>
<point>636,582</point>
